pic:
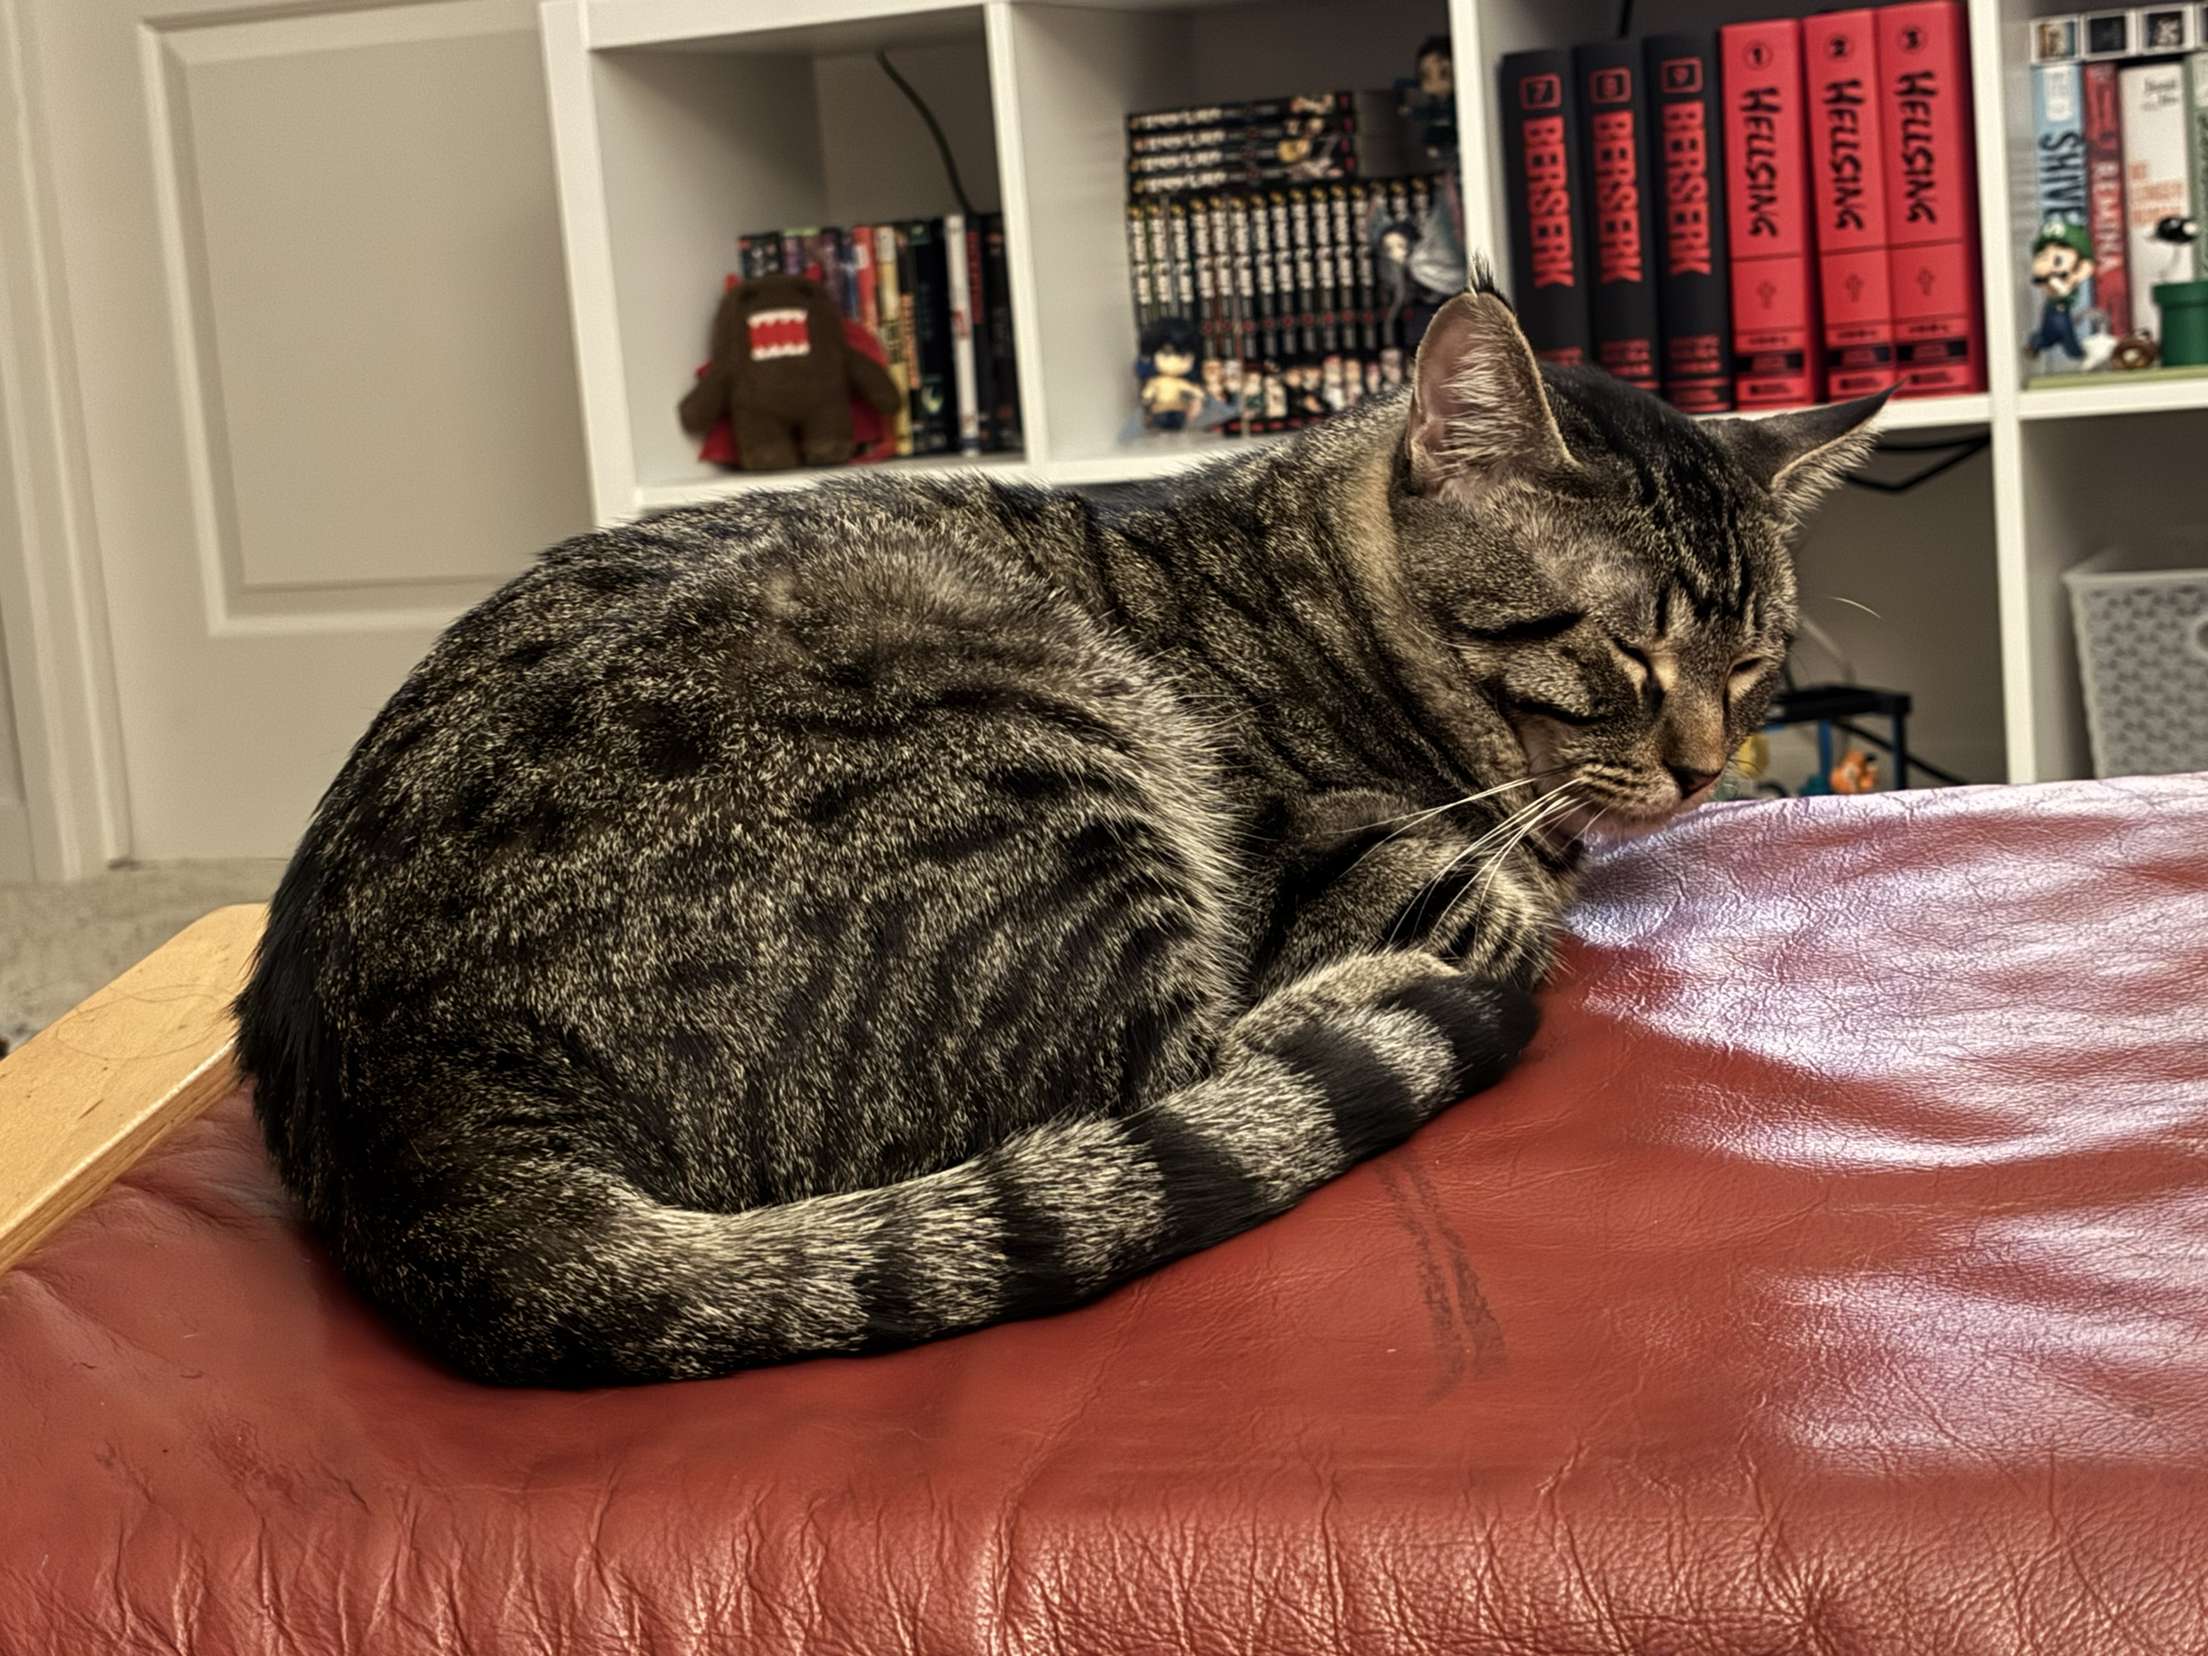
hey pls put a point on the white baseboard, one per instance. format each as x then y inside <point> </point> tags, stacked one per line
<point>15,840</point>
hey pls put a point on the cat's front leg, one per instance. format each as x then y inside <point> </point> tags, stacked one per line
<point>1363,871</point>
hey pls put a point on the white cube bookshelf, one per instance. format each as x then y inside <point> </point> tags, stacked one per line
<point>680,124</point>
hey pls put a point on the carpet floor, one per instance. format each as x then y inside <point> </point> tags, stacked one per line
<point>58,943</point>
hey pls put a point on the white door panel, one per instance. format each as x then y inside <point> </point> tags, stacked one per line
<point>328,389</point>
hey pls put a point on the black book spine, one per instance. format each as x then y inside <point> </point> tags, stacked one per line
<point>1693,279</point>
<point>1545,174</point>
<point>1139,281</point>
<point>1208,309</point>
<point>1322,268</point>
<point>1307,271</point>
<point>978,320</point>
<point>1161,260</point>
<point>1366,214</point>
<point>1004,373</point>
<point>1250,378</point>
<point>1284,276</point>
<point>1186,303</point>
<point>935,428</point>
<point>1261,267</point>
<point>1621,201</point>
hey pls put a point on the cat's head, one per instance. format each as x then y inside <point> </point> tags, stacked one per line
<point>1612,577</point>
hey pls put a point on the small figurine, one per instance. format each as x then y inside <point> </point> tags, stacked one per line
<point>1419,263</point>
<point>1333,384</point>
<point>2062,263</point>
<point>1171,400</point>
<point>784,375</point>
<point>1431,100</point>
<point>1857,773</point>
<point>2177,232</point>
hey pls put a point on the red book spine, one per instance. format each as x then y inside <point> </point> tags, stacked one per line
<point>1776,361</point>
<point>2104,162</point>
<point>862,264</point>
<point>1932,197</point>
<point>1848,186</point>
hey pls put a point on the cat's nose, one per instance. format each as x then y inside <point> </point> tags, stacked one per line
<point>1690,781</point>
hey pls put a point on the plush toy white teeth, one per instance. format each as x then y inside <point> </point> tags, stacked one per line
<point>780,332</point>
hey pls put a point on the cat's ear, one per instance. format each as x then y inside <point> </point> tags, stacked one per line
<point>1478,412</point>
<point>1803,456</point>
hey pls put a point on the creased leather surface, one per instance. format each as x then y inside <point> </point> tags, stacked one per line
<point>1834,1277</point>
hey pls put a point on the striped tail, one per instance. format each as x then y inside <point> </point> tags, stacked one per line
<point>587,1281</point>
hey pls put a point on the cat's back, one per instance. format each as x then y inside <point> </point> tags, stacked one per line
<point>703,640</point>
<point>652,710</point>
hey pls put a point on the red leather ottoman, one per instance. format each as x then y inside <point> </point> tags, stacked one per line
<point>1833,1277</point>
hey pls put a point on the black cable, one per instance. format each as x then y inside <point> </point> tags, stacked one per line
<point>1625,18</point>
<point>942,144</point>
<point>1937,445</point>
<point>1967,449</point>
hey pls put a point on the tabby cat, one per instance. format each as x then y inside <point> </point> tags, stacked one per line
<point>831,920</point>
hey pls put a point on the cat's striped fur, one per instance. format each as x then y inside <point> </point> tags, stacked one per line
<point>837,919</point>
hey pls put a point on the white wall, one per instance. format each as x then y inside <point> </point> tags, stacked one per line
<point>1925,562</point>
<point>15,822</point>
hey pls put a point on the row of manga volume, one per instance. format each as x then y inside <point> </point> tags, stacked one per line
<point>1261,309</point>
<point>1759,216</point>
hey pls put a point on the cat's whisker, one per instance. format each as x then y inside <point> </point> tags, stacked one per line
<point>1559,804</point>
<point>1473,850</point>
<point>1852,604</point>
<point>1512,831</point>
<point>1414,818</point>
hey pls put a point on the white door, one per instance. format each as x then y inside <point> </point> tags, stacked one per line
<point>323,370</point>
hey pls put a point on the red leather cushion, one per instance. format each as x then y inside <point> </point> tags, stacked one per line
<point>1833,1277</point>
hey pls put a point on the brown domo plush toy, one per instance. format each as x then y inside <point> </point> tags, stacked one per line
<point>784,376</point>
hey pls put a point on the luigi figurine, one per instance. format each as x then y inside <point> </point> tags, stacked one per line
<point>2062,269</point>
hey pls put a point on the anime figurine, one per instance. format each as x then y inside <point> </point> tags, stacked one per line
<point>1418,263</point>
<point>1171,399</point>
<point>2062,263</point>
<point>1431,100</point>
<point>1230,382</point>
<point>1333,384</point>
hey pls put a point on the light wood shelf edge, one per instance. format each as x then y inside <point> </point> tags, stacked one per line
<point>86,1098</point>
